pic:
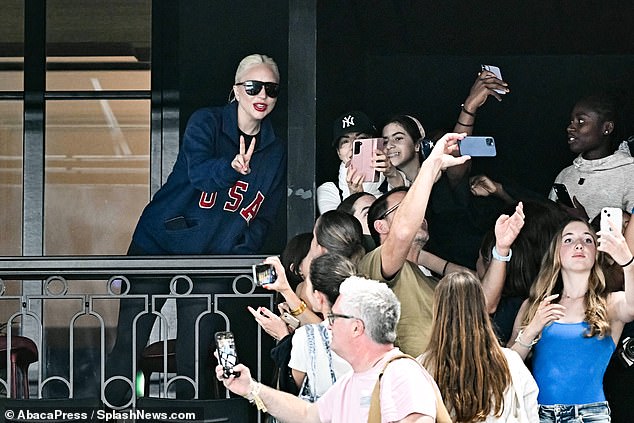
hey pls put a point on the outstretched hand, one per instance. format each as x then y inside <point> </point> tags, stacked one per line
<point>507,228</point>
<point>443,150</point>
<point>270,322</point>
<point>484,86</point>
<point>238,385</point>
<point>281,282</point>
<point>242,160</point>
<point>613,243</point>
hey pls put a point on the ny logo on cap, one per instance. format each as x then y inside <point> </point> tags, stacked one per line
<point>347,121</point>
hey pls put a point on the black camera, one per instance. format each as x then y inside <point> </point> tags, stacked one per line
<point>626,353</point>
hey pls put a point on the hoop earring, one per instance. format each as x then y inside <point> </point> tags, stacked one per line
<point>232,96</point>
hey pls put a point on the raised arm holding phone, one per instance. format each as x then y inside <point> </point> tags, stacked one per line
<point>363,323</point>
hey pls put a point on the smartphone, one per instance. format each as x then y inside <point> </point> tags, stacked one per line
<point>263,274</point>
<point>227,355</point>
<point>362,151</point>
<point>292,321</point>
<point>477,147</point>
<point>562,195</point>
<point>497,73</point>
<point>611,214</point>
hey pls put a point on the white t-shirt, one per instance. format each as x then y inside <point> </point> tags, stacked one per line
<point>526,388</point>
<point>301,355</point>
<point>329,197</point>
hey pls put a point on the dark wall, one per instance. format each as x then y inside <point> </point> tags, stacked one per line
<point>529,124</point>
<point>421,57</point>
<point>214,37</point>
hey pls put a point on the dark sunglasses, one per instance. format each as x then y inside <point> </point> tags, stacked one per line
<point>252,87</point>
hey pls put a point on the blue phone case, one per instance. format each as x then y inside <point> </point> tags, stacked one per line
<point>477,147</point>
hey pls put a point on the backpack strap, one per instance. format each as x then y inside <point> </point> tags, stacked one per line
<point>374,414</point>
<point>326,338</point>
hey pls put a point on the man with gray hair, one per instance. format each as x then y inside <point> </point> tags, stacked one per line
<point>363,322</point>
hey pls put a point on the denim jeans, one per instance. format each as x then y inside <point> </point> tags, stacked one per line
<point>597,412</point>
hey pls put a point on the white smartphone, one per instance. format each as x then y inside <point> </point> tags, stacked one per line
<point>611,214</point>
<point>497,73</point>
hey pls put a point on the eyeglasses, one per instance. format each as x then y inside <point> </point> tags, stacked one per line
<point>333,316</point>
<point>253,87</point>
<point>388,211</point>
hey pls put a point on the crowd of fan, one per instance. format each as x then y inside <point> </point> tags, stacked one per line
<point>487,301</point>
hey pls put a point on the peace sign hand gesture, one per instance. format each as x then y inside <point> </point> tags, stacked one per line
<point>240,163</point>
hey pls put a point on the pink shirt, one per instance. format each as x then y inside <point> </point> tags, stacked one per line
<point>406,388</point>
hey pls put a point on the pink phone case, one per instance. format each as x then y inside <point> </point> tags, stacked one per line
<point>362,149</point>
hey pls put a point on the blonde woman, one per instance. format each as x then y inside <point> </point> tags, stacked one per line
<point>572,324</point>
<point>479,380</point>
<point>220,198</point>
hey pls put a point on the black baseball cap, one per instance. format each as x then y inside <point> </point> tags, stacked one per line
<point>354,121</point>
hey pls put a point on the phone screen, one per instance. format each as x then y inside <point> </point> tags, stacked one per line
<point>263,274</point>
<point>227,355</point>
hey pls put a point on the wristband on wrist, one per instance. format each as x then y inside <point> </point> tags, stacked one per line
<point>299,310</point>
<point>444,269</point>
<point>518,340</point>
<point>466,111</point>
<point>628,262</point>
<point>254,395</point>
<point>498,257</point>
<point>465,124</point>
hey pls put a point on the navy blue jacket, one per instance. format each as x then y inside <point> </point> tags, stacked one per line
<point>205,206</point>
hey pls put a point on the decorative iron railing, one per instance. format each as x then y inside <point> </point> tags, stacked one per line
<point>68,307</point>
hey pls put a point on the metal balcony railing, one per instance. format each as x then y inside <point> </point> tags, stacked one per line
<point>68,307</point>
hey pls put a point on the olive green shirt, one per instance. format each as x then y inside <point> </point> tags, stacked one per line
<point>415,291</point>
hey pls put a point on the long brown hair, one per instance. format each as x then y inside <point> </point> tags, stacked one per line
<point>464,355</point>
<point>549,281</point>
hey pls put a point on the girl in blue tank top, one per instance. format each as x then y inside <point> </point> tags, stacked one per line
<point>572,324</point>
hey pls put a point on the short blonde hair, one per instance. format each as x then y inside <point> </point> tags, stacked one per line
<point>254,60</point>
